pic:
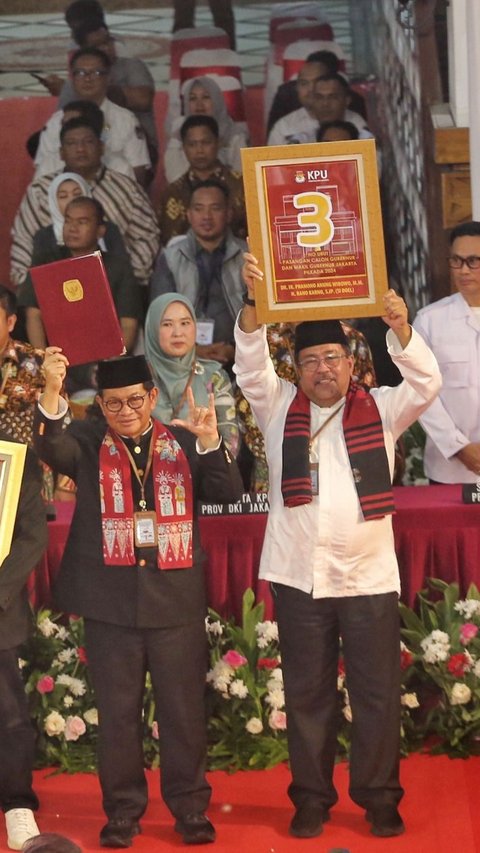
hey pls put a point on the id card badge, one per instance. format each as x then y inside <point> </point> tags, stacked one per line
<point>205,329</point>
<point>145,526</point>
<point>314,477</point>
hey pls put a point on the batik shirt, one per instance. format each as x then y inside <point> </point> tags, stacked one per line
<point>21,385</point>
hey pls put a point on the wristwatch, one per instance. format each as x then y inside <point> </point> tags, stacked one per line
<point>248,301</point>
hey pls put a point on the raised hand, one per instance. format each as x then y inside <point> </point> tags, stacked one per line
<point>201,421</point>
<point>396,316</point>
<point>54,368</point>
<point>251,273</point>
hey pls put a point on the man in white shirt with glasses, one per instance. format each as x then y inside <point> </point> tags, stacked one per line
<point>451,328</point>
<point>123,137</point>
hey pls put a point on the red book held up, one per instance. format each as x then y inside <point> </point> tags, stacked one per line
<point>77,308</point>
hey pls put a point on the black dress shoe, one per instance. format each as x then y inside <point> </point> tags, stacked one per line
<point>195,829</point>
<point>385,820</point>
<point>119,832</point>
<point>308,821</point>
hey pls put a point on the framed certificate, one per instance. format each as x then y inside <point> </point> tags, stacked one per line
<point>12,461</point>
<point>315,226</point>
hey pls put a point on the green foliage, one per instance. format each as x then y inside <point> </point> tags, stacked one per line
<point>414,445</point>
<point>245,699</point>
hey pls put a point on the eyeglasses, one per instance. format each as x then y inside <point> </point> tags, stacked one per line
<point>134,402</point>
<point>89,72</point>
<point>313,362</point>
<point>456,262</point>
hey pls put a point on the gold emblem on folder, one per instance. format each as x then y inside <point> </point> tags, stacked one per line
<point>73,290</point>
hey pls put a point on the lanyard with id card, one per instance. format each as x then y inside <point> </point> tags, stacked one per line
<point>312,453</point>
<point>144,522</point>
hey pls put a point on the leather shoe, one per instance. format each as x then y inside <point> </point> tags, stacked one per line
<point>195,829</point>
<point>308,821</point>
<point>119,832</point>
<point>385,820</point>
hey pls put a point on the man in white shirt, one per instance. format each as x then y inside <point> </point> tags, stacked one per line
<point>302,125</point>
<point>328,550</point>
<point>124,140</point>
<point>331,99</point>
<point>301,121</point>
<point>451,327</point>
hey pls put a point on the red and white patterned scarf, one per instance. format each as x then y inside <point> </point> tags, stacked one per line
<point>172,487</point>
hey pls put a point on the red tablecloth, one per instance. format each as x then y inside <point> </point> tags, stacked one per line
<point>436,535</point>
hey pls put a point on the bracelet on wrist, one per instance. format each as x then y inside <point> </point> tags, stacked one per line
<point>248,301</point>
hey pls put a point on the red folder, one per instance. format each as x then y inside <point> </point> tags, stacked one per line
<point>77,308</point>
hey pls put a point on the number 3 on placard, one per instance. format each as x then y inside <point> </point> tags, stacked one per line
<point>318,218</point>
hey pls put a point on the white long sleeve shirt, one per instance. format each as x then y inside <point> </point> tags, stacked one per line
<point>301,126</point>
<point>452,330</point>
<point>326,548</point>
<point>123,138</point>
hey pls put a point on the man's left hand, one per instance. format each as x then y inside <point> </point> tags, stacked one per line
<point>201,421</point>
<point>396,316</point>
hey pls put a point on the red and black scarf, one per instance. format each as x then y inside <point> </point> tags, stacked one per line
<point>363,433</point>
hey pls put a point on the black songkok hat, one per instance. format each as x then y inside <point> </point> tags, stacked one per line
<point>123,371</point>
<point>315,332</point>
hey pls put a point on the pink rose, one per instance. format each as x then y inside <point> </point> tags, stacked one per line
<point>278,720</point>
<point>155,730</point>
<point>45,684</point>
<point>74,728</point>
<point>468,632</point>
<point>234,659</point>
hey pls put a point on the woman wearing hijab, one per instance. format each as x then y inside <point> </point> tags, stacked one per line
<point>203,96</point>
<point>63,188</point>
<point>170,334</point>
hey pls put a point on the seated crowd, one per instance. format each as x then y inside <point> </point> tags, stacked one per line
<point>94,163</point>
<point>101,145</point>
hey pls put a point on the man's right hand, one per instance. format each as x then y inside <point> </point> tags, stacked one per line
<point>55,369</point>
<point>251,273</point>
<point>470,457</point>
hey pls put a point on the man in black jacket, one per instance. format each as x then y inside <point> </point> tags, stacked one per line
<point>132,568</point>
<point>17,797</point>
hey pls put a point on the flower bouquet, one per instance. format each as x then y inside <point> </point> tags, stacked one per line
<point>444,640</point>
<point>247,720</point>
<point>60,695</point>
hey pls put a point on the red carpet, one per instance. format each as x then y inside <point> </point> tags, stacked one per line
<point>251,812</point>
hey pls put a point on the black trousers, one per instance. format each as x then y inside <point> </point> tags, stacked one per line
<point>176,658</point>
<point>222,14</point>
<point>17,739</point>
<point>309,632</point>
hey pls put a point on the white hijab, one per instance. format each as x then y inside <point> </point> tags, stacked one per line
<point>57,216</point>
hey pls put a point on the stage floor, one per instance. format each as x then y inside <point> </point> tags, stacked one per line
<point>251,812</point>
